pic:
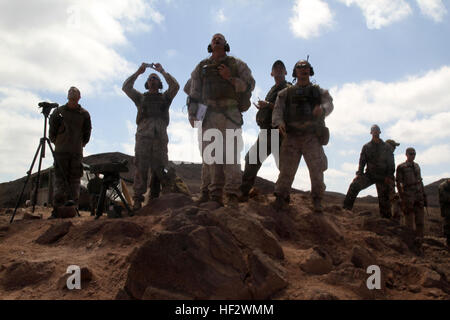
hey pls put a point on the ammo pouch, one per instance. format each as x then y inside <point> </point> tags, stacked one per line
<point>323,133</point>
<point>264,117</point>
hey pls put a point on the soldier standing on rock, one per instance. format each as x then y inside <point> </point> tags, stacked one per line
<point>393,196</point>
<point>264,121</point>
<point>444,201</point>
<point>299,114</point>
<point>224,84</point>
<point>378,157</point>
<point>412,193</point>
<point>151,136</point>
<point>70,131</point>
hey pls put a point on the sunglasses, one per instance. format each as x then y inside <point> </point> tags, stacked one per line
<point>411,153</point>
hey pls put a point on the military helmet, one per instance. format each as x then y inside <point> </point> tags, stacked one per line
<point>392,143</point>
<point>156,76</point>
<point>302,63</point>
<point>375,128</point>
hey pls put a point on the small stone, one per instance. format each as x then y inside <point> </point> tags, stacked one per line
<point>29,216</point>
<point>431,279</point>
<point>414,289</point>
<point>317,262</point>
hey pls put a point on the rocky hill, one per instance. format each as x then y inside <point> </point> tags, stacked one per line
<point>173,249</point>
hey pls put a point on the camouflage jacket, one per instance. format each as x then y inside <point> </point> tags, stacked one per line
<point>279,111</point>
<point>149,126</point>
<point>408,177</point>
<point>70,129</point>
<point>243,82</point>
<point>378,159</point>
<point>264,115</point>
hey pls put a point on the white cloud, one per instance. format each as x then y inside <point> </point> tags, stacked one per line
<point>381,13</point>
<point>434,9</point>
<point>435,155</point>
<point>310,18</point>
<point>221,16</point>
<point>411,110</point>
<point>55,44</point>
<point>171,53</point>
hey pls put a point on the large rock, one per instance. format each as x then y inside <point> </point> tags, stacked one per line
<point>266,276</point>
<point>24,273</point>
<point>169,201</point>
<point>248,232</point>
<point>54,233</point>
<point>362,258</point>
<point>204,263</point>
<point>316,261</point>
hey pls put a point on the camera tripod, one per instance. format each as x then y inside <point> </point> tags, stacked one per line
<point>46,107</point>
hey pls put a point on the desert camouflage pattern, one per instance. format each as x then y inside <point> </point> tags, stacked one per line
<point>379,164</point>
<point>409,180</point>
<point>151,135</point>
<point>295,146</point>
<point>222,114</point>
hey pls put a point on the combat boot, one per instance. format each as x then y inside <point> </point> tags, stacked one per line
<point>204,197</point>
<point>232,201</point>
<point>280,203</point>
<point>217,199</point>
<point>317,205</point>
<point>137,205</point>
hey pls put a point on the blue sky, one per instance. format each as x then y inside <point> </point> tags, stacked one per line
<point>384,62</point>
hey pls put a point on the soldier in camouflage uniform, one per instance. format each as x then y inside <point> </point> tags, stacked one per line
<point>444,201</point>
<point>412,193</point>
<point>151,136</point>
<point>264,121</point>
<point>299,114</point>
<point>378,157</point>
<point>220,82</point>
<point>205,177</point>
<point>393,196</point>
<point>70,130</point>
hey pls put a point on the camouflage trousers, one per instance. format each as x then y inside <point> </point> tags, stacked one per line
<point>72,170</point>
<point>292,149</point>
<point>413,207</point>
<point>364,181</point>
<point>150,154</point>
<point>221,177</point>
<point>251,169</point>
<point>445,213</point>
<point>93,203</point>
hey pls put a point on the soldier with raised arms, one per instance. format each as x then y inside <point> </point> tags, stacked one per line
<point>151,136</point>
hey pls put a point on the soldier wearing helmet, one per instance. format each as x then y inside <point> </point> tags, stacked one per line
<point>299,115</point>
<point>378,160</point>
<point>151,136</point>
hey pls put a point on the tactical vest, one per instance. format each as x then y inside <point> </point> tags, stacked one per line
<point>264,115</point>
<point>214,86</point>
<point>154,106</point>
<point>411,175</point>
<point>300,102</point>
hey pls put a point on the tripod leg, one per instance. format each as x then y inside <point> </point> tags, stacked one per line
<point>130,212</point>
<point>101,201</point>
<point>38,178</point>
<point>26,182</point>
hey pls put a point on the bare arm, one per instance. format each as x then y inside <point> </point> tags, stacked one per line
<point>173,85</point>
